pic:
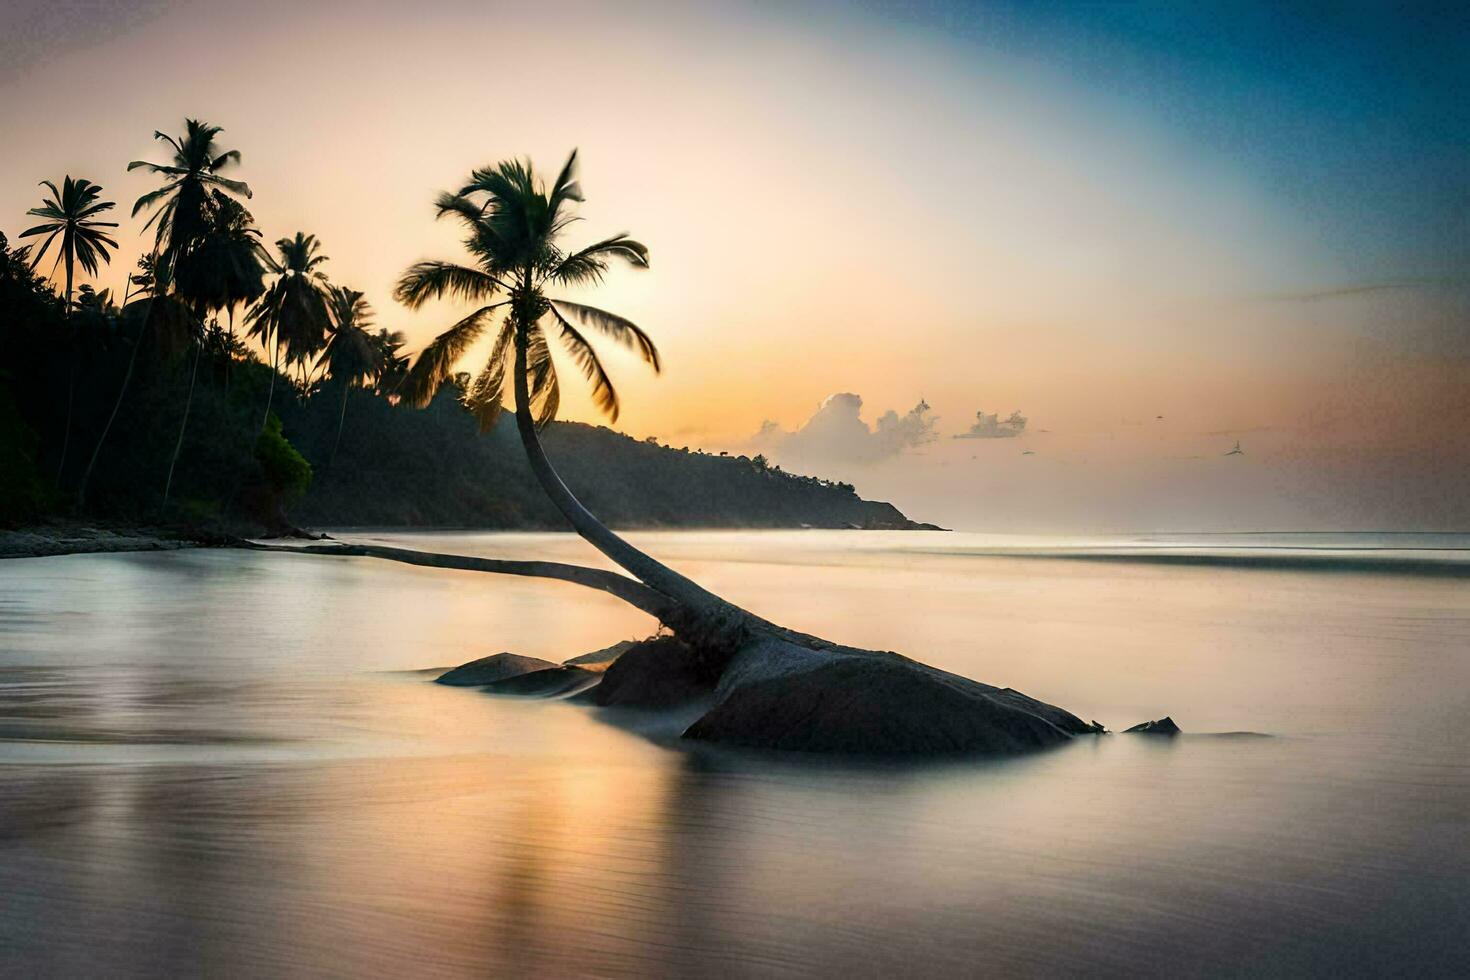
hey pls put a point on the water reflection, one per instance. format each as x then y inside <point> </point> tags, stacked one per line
<point>209,764</point>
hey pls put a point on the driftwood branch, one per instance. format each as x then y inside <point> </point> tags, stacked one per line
<point>634,593</point>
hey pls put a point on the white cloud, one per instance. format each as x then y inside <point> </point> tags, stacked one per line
<point>837,432</point>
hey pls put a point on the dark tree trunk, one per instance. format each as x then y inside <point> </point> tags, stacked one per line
<point>71,384</point>
<point>716,621</point>
<point>183,425</point>
<point>122,391</point>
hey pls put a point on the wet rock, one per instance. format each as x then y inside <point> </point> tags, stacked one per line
<point>1164,726</point>
<point>659,672</point>
<point>779,695</point>
<point>488,670</point>
<point>555,682</point>
<point>602,659</point>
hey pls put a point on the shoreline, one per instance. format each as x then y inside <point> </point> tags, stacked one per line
<point>59,538</point>
<point>82,538</point>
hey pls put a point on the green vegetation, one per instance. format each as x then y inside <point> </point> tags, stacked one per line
<point>156,409</point>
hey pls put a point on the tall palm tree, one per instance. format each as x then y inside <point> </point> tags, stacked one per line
<point>515,224</point>
<point>292,314</point>
<point>185,221</point>
<point>164,315</point>
<point>352,354</point>
<point>192,174</point>
<point>226,265</point>
<point>219,267</point>
<point>71,213</point>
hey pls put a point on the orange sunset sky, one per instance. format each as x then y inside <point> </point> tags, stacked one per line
<point>1149,257</point>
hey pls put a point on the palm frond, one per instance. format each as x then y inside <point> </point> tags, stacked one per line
<point>460,206</point>
<point>621,329</point>
<point>484,399</point>
<point>587,266</point>
<point>541,381</point>
<point>152,197</point>
<point>433,279</point>
<point>435,363</point>
<point>237,186</point>
<point>604,395</point>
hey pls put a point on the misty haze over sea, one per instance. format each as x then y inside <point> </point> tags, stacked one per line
<point>198,740</point>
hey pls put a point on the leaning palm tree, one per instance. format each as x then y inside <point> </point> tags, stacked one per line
<point>71,214</point>
<point>351,355</point>
<point>192,174</point>
<point>514,227</point>
<point>292,315</point>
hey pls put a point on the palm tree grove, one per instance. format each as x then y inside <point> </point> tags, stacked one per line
<point>226,384</point>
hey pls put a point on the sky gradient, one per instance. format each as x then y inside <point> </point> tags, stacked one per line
<point>1153,231</point>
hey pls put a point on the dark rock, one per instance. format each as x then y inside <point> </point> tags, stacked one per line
<point>557,682</point>
<point>602,659</point>
<point>779,695</point>
<point>657,672</point>
<point>488,670</point>
<point>1164,726</point>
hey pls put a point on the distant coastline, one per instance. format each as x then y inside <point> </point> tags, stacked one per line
<point>1408,561</point>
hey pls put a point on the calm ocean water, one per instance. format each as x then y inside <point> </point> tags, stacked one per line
<point>221,762</point>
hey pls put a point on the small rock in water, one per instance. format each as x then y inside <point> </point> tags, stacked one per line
<point>488,670</point>
<point>1164,726</point>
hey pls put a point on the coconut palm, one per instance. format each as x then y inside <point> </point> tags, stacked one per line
<point>390,368</point>
<point>292,315</point>
<point>71,215</point>
<point>185,195</point>
<point>216,269</point>
<point>515,225</point>
<point>151,308</point>
<point>225,267</point>
<point>351,355</point>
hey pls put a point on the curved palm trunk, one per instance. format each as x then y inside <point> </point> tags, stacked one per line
<point>341,418</point>
<point>184,425</point>
<point>270,392</point>
<point>71,384</point>
<point>71,393</point>
<point>230,350</point>
<point>127,378</point>
<point>703,604</point>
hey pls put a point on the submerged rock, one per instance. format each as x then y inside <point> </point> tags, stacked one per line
<point>555,682</point>
<point>777,695</point>
<point>488,670</point>
<point>1163,726</point>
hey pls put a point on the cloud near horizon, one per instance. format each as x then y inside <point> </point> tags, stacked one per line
<point>836,432</point>
<point>994,427</point>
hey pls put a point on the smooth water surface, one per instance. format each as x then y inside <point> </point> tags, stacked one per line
<point>220,762</point>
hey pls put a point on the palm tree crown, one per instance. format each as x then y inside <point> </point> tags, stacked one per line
<point>293,311</point>
<point>352,354</point>
<point>71,214</point>
<point>514,224</point>
<point>223,266</point>
<point>192,174</point>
